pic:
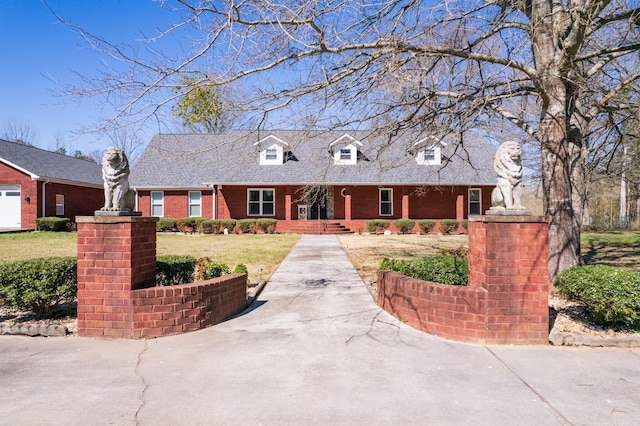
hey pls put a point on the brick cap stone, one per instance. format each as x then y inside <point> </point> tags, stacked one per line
<point>116,219</point>
<point>510,219</point>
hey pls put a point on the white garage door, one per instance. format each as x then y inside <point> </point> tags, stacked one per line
<point>10,206</point>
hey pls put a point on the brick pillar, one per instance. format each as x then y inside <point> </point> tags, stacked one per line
<point>405,205</point>
<point>347,207</point>
<point>508,257</point>
<point>459,207</point>
<point>115,255</point>
<point>287,207</point>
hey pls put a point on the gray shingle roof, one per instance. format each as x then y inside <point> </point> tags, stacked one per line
<point>47,165</point>
<point>191,161</point>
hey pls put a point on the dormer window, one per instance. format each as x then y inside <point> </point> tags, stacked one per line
<point>345,150</point>
<point>271,154</point>
<point>273,151</point>
<point>428,151</point>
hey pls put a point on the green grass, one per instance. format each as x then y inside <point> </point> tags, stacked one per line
<point>254,251</point>
<point>617,239</point>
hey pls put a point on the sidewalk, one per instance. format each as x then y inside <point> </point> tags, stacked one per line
<point>314,349</point>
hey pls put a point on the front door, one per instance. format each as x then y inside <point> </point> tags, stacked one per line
<point>318,201</point>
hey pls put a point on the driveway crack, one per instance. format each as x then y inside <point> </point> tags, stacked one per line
<point>530,387</point>
<point>145,385</point>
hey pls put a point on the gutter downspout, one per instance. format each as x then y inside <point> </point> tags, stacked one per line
<point>215,203</point>
<point>44,198</point>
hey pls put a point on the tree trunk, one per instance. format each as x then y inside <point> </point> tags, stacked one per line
<point>558,154</point>
<point>623,187</point>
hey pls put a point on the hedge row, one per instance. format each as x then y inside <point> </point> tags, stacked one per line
<point>404,226</point>
<point>53,224</point>
<point>207,226</point>
<point>451,270</point>
<point>44,285</point>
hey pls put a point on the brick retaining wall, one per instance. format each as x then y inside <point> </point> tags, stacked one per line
<point>117,296</point>
<point>506,301</point>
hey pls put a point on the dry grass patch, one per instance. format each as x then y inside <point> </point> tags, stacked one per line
<point>254,251</point>
<point>367,251</point>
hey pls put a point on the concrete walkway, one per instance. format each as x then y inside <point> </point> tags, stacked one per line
<point>313,350</point>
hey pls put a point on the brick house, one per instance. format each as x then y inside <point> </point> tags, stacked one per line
<point>312,181</point>
<point>37,183</point>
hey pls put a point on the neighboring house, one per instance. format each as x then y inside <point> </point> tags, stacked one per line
<point>328,177</point>
<point>36,183</point>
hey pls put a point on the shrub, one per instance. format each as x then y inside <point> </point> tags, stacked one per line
<point>246,226</point>
<point>451,270</point>
<point>215,270</point>
<point>377,226</point>
<point>241,269</point>
<point>39,285</point>
<point>174,270</point>
<point>611,294</point>
<point>166,224</point>
<point>268,226</point>
<point>403,226</point>
<point>54,224</point>
<point>210,227</point>
<point>228,224</point>
<point>189,225</point>
<point>465,225</point>
<point>447,226</point>
<point>426,226</point>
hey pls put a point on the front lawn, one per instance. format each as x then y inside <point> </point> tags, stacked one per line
<point>255,251</point>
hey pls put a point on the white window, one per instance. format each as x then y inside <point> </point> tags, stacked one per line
<point>386,202</point>
<point>345,154</point>
<point>475,201</point>
<point>260,202</point>
<point>59,205</point>
<point>157,203</point>
<point>271,154</point>
<point>195,204</point>
<point>430,154</point>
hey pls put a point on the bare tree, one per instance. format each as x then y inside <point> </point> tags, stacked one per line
<point>20,131</point>
<point>398,65</point>
<point>129,141</point>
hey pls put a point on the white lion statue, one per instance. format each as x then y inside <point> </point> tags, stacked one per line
<point>508,166</point>
<point>115,174</point>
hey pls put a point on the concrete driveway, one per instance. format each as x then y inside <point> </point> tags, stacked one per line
<point>314,349</point>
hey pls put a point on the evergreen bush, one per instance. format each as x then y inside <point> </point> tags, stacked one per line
<point>404,226</point>
<point>215,270</point>
<point>228,224</point>
<point>426,226</point>
<point>167,224</point>
<point>376,226</point>
<point>175,270</point>
<point>448,226</point>
<point>39,285</point>
<point>451,270</point>
<point>268,226</point>
<point>611,294</point>
<point>53,224</point>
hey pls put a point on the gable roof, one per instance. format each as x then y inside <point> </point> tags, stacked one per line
<point>44,165</point>
<point>198,160</point>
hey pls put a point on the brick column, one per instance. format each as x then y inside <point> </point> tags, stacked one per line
<point>460,207</point>
<point>508,257</point>
<point>115,256</point>
<point>405,205</point>
<point>347,206</point>
<point>287,207</point>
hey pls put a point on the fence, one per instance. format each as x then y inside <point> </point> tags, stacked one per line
<point>613,223</point>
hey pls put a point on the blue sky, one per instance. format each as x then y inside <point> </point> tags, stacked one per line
<point>41,56</point>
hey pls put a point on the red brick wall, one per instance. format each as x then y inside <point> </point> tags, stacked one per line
<point>231,202</point>
<point>162,311</point>
<point>79,200</point>
<point>117,296</point>
<point>506,301</point>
